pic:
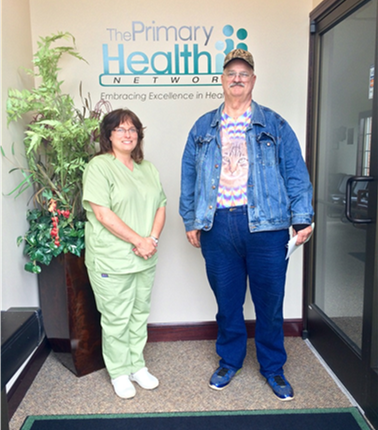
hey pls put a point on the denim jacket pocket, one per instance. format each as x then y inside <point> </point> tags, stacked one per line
<point>202,144</point>
<point>266,149</point>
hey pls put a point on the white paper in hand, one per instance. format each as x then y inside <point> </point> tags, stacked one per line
<point>291,246</point>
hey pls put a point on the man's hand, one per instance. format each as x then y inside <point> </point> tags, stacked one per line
<point>194,237</point>
<point>302,235</point>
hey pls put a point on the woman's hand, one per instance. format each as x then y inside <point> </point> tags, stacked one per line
<point>148,247</point>
<point>145,248</point>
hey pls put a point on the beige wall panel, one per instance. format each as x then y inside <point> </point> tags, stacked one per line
<point>277,35</point>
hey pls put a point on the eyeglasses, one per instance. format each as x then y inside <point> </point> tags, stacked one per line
<point>242,75</point>
<point>120,131</point>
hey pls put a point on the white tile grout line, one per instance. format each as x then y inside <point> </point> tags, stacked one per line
<point>334,377</point>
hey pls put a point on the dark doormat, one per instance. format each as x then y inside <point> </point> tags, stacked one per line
<point>300,419</point>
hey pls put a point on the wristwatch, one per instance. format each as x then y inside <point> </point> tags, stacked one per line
<point>155,239</point>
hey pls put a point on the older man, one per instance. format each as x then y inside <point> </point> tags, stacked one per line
<point>244,183</point>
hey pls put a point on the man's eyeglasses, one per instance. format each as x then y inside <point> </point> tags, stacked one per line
<point>120,131</point>
<point>242,75</point>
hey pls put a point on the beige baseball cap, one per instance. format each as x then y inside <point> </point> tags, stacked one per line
<point>239,54</point>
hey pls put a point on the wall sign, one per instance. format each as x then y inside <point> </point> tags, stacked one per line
<point>185,56</point>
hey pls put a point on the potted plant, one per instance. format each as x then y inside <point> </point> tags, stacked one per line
<point>59,141</point>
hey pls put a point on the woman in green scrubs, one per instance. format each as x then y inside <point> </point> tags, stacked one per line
<point>125,206</point>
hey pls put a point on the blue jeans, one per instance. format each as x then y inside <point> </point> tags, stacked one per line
<point>232,253</point>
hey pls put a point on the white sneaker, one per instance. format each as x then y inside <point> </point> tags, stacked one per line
<point>123,387</point>
<point>144,378</point>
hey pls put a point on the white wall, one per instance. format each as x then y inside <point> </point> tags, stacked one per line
<point>19,288</point>
<point>278,39</point>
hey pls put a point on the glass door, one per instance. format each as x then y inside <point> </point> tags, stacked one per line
<point>341,315</point>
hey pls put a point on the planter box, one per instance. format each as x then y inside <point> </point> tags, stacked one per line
<point>70,317</point>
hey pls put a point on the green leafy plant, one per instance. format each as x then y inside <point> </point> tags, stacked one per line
<point>59,142</point>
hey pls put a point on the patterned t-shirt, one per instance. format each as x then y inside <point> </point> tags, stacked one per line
<point>232,189</point>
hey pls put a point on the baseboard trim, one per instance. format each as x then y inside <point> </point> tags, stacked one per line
<point>167,332</point>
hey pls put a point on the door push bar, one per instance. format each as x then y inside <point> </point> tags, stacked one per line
<point>348,206</point>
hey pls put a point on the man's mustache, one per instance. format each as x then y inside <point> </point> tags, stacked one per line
<point>234,84</point>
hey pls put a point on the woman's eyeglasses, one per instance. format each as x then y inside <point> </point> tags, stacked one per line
<point>120,131</point>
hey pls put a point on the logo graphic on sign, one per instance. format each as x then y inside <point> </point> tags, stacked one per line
<point>184,63</point>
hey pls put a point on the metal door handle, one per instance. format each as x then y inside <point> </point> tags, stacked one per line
<point>348,198</point>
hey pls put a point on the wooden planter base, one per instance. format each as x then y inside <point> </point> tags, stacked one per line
<point>70,317</point>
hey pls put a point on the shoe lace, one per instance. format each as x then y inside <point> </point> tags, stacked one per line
<point>223,371</point>
<point>279,381</point>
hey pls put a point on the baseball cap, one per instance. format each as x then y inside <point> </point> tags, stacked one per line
<point>239,54</point>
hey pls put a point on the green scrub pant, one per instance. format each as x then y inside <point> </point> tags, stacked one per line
<point>124,303</point>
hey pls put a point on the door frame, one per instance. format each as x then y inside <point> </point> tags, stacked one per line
<point>362,383</point>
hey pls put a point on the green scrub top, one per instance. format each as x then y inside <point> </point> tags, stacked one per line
<point>134,196</point>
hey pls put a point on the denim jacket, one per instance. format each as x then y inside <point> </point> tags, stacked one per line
<point>279,191</point>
